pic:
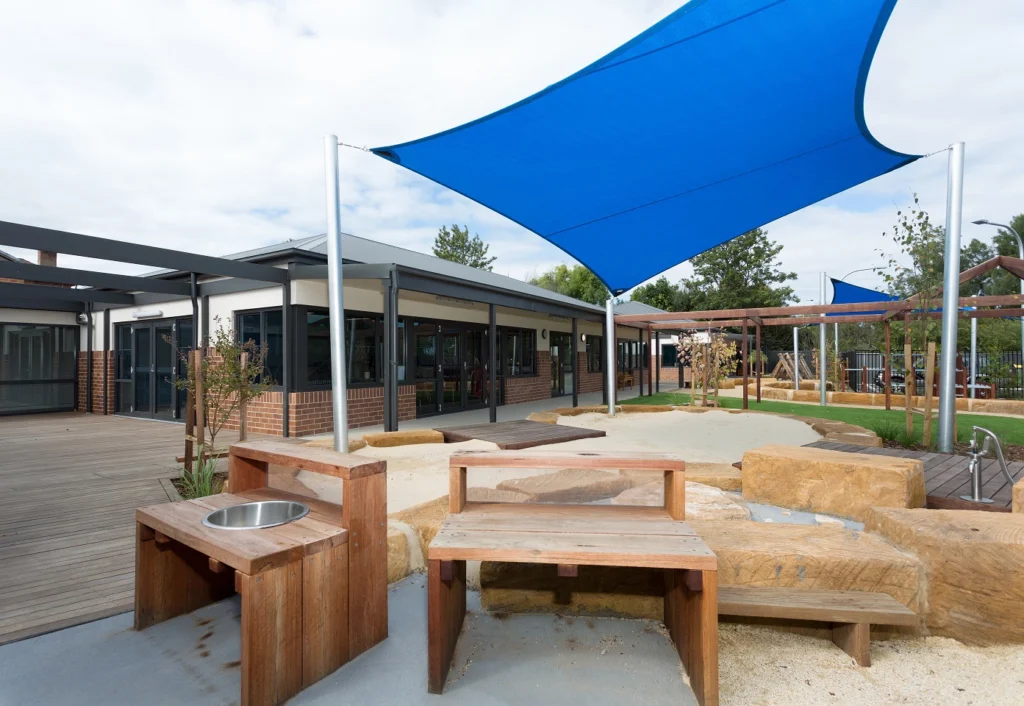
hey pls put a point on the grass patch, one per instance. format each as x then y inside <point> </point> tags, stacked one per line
<point>887,429</point>
<point>1009,429</point>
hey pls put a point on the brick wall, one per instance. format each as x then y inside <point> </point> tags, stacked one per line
<point>589,382</point>
<point>97,382</point>
<point>533,387</point>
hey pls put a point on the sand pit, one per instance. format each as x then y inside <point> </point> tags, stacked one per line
<point>760,666</point>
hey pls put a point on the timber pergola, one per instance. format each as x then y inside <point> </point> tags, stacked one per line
<point>87,291</point>
<point>983,307</point>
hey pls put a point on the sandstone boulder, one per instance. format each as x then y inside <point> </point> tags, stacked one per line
<point>404,438</point>
<point>831,482</point>
<point>1018,496</point>
<point>583,409</point>
<point>543,417</point>
<point>570,485</point>
<point>646,408</point>
<point>720,475</point>
<point>399,561</point>
<point>749,554</point>
<point>974,568</point>
<point>703,502</point>
<point>327,442</point>
<point>426,518</point>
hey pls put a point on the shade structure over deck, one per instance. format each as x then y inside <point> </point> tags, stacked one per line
<point>722,117</point>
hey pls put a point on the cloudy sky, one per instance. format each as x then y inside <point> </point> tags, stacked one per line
<point>198,124</point>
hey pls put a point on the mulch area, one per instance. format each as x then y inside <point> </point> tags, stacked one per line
<point>1010,453</point>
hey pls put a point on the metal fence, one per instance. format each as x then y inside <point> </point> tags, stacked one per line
<point>863,371</point>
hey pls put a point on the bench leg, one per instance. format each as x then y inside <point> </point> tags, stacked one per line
<point>855,640</point>
<point>446,609</point>
<point>691,616</point>
<point>272,635</point>
<point>324,613</point>
<point>172,579</point>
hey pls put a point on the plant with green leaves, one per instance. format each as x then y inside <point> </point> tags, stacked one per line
<point>576,281</point>
<point>202,480</point>
<point>229,378</point>
<point>456,245</point>
<point>887,429</point>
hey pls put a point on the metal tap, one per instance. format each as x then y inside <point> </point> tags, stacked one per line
<point>974,465</point>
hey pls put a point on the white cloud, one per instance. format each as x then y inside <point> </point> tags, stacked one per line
<point>197,124</point>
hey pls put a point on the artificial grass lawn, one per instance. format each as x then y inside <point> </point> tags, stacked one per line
<point>1010,430</point>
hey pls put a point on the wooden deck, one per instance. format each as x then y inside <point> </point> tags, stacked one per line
<point>946,477</point>
<point>69,486</point>
<point>519,434</point>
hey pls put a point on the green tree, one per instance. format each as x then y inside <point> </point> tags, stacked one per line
<point>1001,281</point>
<point>660,294</point>
<point>576,281</point>
<point>742,273</point>
<point>975,253</point>
<point>456,245</point>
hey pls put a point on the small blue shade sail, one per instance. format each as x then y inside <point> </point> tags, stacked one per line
<point>722,117</point>
<point>843,293</point>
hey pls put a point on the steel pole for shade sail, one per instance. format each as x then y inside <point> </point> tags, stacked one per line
<point>950,298</point>
<point>335,296</point>
<point>609,381</point>
<point>796,358</point>
<point>974,355</point>
<point>822,346</point>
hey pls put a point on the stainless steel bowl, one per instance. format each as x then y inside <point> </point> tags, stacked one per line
<point>268,513</point>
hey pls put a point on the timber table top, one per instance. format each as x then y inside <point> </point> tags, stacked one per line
<point>248,551</point>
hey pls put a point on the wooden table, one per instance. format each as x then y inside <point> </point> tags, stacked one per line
<point>573,535</point>
<point>314,591</point>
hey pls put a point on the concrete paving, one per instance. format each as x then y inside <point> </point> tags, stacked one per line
<point>193,659</point>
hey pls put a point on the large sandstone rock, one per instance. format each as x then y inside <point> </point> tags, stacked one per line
<point>703,502</point>
<point>974,568</point>
<point>831,482</point>
<point>842,432</point>
<point>426,518</point>
<point>404,438</point>
<point>327,442</point>
<point>582,409</point>
<point>399,561</point>
<point>570,485</point>
<point>749,554</point>
<point>720,475</point>
<point>1018,496</point>
<point>543,417</point>
<point>646,408</point>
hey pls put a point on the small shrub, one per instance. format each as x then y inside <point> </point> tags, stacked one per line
<point>888,430</point>
<point>202,479</point>
<point>907,441</point>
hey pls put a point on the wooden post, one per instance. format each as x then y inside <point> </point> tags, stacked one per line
<point>744,363</point>
<point>200,403</point>
<point>863,378</point>
<point>190,428</point>
<point>759,365</point>
<point>929,378</point>
<point>909,381</point>
<point>704,383</point>
<point>887,368</point>
<point>242,421</point>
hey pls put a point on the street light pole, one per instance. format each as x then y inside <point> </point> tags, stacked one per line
<point>1020,251</point>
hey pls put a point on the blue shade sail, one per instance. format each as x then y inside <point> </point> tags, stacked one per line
<point>722,117</point>
<point>843,293</point>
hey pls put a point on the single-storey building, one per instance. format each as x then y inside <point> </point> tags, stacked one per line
<point>123,357</point>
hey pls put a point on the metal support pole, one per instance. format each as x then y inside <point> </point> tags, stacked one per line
<point>88,360</point>
<point>335,296</point>
<point>657,361</point>
<point>206,321</point>
<point>605,338</point>
<point>796,358</point>
<point>609,319</point>
<point>759,366</point>
<point>974,355</point>
<point>492,339</point>
<point>640,362</point>
<point>745,361</point>
<point>822,348</point>
<point>288,337</point>
<point>951,298</point>
<point>106,358</point>
<point>650,363</point>
<point>194,280</point>
<point>575,364</point>
<point>391,352</point>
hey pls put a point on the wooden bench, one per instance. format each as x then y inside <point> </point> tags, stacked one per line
<point>314,591</point>
<point>570,536</point>
<point>850,613</point>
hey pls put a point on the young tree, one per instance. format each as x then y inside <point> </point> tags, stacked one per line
<point>456,245</point>
<point>576,281</point>
<point>660,294</point>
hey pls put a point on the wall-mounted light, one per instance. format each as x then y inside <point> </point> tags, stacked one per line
<point>147,314</point>
<point>83,319</point>
<point>544,333</point>
<point>583,337</point>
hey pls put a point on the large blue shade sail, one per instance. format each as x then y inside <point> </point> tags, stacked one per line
<point>724,116</point>
<point>843,293</point>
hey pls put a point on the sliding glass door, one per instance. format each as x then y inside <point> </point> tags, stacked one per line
<point>148,365</point>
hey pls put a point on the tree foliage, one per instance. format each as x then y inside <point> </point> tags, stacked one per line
<point>456,245</point>
<point>576,281</point>
<point>660,294</point>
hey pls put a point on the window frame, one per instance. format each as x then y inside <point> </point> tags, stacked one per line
<point>503,333</point>
<point>599,342</point>
<point>237,326</point>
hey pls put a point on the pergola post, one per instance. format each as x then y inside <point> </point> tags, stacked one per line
<point>492,341</point>
<point>575,363</point>
<point>650,363</point>
<point>88,360</point>
<point>609,382</point>
<point>822,349</point>
<point>335,296</point>
<point>656,363</point>
<point>106,358</point>
<point>745,377</point>
<point>287,326</point>
<point>640,362</point>
<point>950,298</point>
<point>759,366</point>
<point>887,368</point>
<point>391,352</point>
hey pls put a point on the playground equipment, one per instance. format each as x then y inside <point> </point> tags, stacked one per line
<point>974,465</point>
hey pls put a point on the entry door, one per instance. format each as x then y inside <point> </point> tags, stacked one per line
<point>562,368</point>
<point>426,368</point>
<point>144,373</point>
<point>452,372</point>
<point>147,368</point>
<point>164,398</point>
<point>477,372</point>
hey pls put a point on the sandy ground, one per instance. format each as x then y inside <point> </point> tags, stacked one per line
<point>759,665</point>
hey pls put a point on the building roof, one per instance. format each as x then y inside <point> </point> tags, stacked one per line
<point>635,307</point>
<point>11,258</point>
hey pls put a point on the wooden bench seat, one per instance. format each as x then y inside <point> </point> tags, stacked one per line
<point>570,536</point>
<point>851,613</point>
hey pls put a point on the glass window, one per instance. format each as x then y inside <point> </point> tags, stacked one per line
<point>668,354</point>
<point>400,354</point>
<point>519,351</point>
<point>123,352</point>
<point>318,347</point>
<point>361,341</point>
<point>265,328</point>
<point>594,364</point>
